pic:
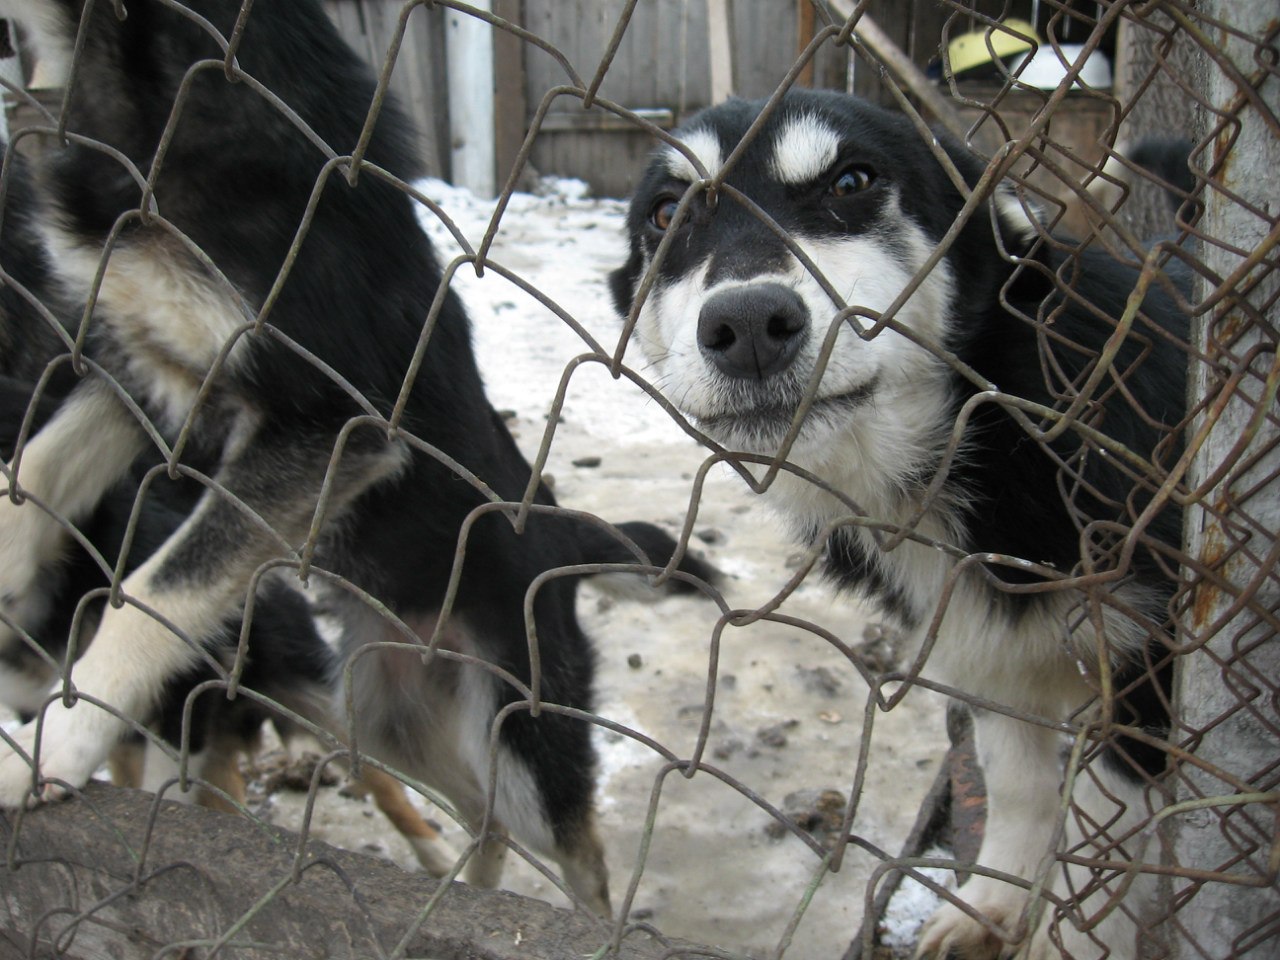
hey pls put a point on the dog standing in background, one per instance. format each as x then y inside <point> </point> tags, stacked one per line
<point>244,287</point>
<point>747,340</point>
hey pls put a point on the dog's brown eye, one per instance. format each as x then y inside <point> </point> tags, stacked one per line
<point>663,212</point>
<point>851,180</point>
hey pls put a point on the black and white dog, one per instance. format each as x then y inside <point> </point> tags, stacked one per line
<point>265,307</point>
<point>291,664</point>
<point>921,425</point>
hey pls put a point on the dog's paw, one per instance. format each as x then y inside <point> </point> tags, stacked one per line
<point>16,769</point>
<point>951,934</point>
<point>435,855</point>
<point>70,751</point>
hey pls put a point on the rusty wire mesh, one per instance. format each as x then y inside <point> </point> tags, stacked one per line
<point>1210,835</point>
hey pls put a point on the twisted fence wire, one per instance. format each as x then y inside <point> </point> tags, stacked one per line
<point>1226,592</point>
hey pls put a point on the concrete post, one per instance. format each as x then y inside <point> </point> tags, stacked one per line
<point>1226,696</point>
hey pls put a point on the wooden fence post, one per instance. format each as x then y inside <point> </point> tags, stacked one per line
<point>720,52</point>
<point>469,42</point>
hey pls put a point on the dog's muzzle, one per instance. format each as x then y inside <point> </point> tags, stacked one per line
<point>753,332</point>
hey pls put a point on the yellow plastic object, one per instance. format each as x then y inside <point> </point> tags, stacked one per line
<point>975,48</point>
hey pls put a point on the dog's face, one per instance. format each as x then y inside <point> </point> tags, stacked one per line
<point>736,325</point>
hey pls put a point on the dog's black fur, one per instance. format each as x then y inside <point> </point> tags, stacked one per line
<point>33,311</point>
<point>340,324</point>
<point>866,198</point>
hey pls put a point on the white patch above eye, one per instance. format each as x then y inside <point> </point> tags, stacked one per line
<point>804,149</point>
<point>704,145</point>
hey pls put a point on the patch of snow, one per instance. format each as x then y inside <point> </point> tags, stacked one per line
<point>912,904</point>
<point>563,244</point>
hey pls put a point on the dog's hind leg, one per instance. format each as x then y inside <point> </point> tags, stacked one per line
<point>577,850</point>
<point>436,856</point>
<point>218,765</point>
<point>521,809</point>
<point>581,858</point>
<point>573,842</point>
<point>220,769</point>
<point>484,869</point>
<point>179,598</point>
<point>551,808</point>
<point>160,771</point>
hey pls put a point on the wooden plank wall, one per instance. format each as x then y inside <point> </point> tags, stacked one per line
<point>661,64</point>
<point>418,79</point>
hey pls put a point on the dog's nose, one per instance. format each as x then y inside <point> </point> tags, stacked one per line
<point>752,332</point>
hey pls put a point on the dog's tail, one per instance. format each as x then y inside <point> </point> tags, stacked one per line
<point>599,545</point>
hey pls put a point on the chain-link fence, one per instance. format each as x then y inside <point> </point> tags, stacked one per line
<point>112,873</point>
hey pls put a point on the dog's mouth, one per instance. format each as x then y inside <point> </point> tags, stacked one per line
<point>755,422</point>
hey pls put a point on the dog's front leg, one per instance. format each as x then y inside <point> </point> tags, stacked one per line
<point>138,647</point>
<point>178,600</point>
<point>68,466</point>
<point>1021,767</point>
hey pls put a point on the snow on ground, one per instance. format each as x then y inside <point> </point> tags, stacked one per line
<point>912,904</point>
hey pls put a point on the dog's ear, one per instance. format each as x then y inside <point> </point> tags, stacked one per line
<point>623,281</point>
<point>1017,220</point>
<point>1017,225</point>
<point>1001,235</point>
